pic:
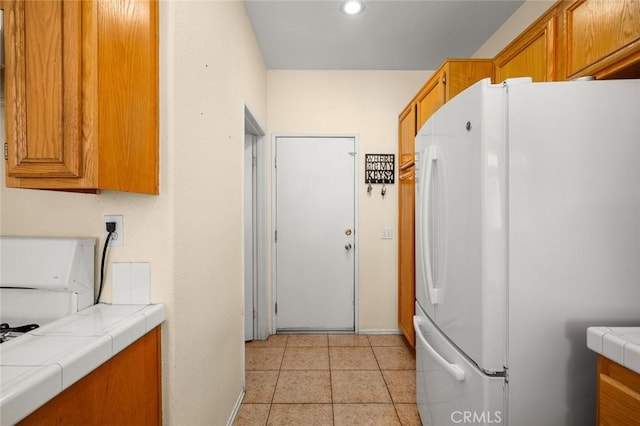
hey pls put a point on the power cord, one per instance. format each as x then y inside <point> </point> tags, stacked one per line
<point>111,229</point>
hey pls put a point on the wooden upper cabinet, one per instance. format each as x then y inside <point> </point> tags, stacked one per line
<point>600,38</point>
<point>43,84</point>
<point>82,95</point>
<point>532,54</point>
<point>430,98</point>
<point>406,135</point>
<point>451,78</point>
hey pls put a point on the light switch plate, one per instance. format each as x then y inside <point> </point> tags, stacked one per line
<point>387,233</point>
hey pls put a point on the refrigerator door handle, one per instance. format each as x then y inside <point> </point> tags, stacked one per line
<point>432,291</point>
<point>453,369</point>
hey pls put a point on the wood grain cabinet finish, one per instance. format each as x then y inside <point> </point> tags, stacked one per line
<point>406,135</point>
<point>82,95</point>
<point>126,390</point>
<point>600,39</point>
<point>532,54</point>
<point>451,78</point>
<point>618,394</point>
<point>406,253</point>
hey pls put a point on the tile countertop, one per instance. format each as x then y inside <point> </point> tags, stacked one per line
<point>619,344</point>
<point>37,366</point>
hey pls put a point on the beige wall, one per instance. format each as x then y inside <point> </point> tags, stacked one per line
<point>366,104</point>
<point>190,233</point>
<point>517,23</point>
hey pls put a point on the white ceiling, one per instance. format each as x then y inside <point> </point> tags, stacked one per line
<point>389,35</point>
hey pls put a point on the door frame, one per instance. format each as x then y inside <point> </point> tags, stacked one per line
<point>356,223</point>
<point>260,300</point>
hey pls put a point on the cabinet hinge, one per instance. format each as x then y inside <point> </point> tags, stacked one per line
<point>275,162</point>
<point>276,307</point>
<point>6,151</point>
<point>276,236</point>
<point>444,78</point>
<point>254,314</point>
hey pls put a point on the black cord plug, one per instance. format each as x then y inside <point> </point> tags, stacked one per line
<point>111,229</point>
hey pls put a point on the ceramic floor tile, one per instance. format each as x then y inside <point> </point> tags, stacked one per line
<point>308,340</point>
<point>252,415</point>
<point>401,385</point>
<point>305,358</point>
<point>408,414</point>
<point>352,358</point>
<point>348,340</point>
<point>301,414</point>
<point>358,387</point>
<point>303,387</point>
<point>387,340</point>
<point>365,414</point>
<point>395,357</point>
<point>275,340</point>
<point>263,358</point>
<point>260,386</point>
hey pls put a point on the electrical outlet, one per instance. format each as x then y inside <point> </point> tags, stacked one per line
<point>117,239</point>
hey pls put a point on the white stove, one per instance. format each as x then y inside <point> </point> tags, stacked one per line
<point>42,280</point>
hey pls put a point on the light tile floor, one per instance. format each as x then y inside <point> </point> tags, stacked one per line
<point>320,379</point>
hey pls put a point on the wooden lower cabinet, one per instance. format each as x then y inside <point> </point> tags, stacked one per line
<point>126,390</point>
<point>406,254</point>
<point>618,394</point>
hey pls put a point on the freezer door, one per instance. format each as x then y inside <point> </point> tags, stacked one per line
<point>449,389</point>
<point>461,216</point>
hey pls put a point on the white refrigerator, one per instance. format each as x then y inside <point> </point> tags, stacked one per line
<point>527,233</point>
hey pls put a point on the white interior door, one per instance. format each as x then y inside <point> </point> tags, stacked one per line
<point>315,235</point>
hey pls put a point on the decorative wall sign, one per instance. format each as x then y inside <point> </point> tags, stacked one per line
<point>379,168</point>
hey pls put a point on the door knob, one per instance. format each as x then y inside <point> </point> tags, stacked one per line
<point>347,246</point>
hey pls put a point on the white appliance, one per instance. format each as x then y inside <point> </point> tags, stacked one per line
<point>527,233</point>
<point>43,279</point>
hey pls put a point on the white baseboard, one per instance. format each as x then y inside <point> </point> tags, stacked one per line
<point>380,331</point>
<point>234,413</point>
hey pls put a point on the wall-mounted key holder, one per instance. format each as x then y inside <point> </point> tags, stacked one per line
<point>379,168</point>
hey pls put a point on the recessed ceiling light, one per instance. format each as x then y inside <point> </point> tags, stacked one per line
<point>352,7</point>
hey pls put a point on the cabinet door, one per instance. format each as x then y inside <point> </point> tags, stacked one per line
<point>530,55</point>
<point>407,134</point>
<point>43,88</point>
<point>600,37</point>
<point>430,98</point>
<point>618,394</point>
<point>406,255</point>
<point>462,73</point>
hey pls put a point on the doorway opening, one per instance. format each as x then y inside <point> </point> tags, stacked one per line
<point>256,311</point>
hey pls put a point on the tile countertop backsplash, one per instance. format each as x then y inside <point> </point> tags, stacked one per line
<point>39,365</point>
<point>619,344</point>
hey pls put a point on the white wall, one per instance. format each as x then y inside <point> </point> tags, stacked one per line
<point>367,104</point>
<point>191,233</point>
